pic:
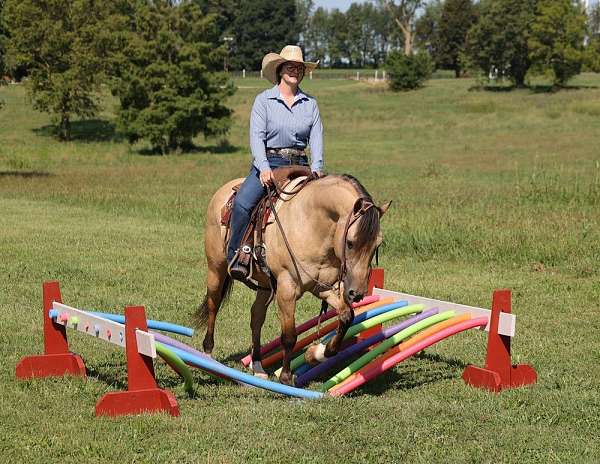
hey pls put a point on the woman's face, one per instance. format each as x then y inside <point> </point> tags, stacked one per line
<point>292,72</point>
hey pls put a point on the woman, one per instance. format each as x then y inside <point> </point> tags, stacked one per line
<point>283,123</point>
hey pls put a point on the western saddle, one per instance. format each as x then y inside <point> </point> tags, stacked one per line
<point>251,252</point>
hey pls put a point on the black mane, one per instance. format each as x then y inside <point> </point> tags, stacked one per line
<point>368,225</point>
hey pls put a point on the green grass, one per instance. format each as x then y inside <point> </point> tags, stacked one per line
<point>490,190</point>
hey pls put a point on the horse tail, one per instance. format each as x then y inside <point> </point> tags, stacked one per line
<point>201,313</point>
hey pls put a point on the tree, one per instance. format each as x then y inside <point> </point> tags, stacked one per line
<point>427,30</point>
<point>339,49</point>
<point>557,39</point>
<point>387,34</point>
<point>262,26</point>
<point>3,39</point>
<point>223,12</point>
<point>592,50</point>
<point>456,18</point>
<point>303,14</point>
<point>498,43</point>
<point>361,34</point>
<point>62,43</point>
<point>404,14</point>
<point>2,49</point>
<point>317,35</point>
<point>167,79</point>
<point>594,21</point>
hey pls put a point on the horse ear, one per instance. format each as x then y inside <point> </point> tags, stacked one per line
<point>383,208</point>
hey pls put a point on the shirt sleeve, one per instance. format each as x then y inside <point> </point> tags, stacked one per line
<point>258,133</point>
<point>316,141</point>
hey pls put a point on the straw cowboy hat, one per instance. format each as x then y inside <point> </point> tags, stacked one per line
<point>289,53</point>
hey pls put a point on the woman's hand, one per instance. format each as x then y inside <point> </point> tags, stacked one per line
<point>266,177</point>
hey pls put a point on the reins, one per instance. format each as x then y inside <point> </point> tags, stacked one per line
<point>353,216</point>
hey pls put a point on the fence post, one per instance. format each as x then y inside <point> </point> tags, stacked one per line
<point>310,75</point>
<point>383,75</point>
<point>261,75</point>
<point>376,74</point>
<point>357,75</point>
<point>243,74</point>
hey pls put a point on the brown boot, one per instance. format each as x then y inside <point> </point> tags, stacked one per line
<point>238,269</point>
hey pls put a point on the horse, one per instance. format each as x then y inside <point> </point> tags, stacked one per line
<point>332,227</point>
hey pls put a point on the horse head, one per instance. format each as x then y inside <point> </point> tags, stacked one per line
<point>360,240</point>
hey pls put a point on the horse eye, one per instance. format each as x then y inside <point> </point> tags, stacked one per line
<point>350,245</point>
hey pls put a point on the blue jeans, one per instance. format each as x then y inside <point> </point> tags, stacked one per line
<point>246,199</point>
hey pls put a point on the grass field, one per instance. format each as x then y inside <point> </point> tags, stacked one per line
<point>491,189</point>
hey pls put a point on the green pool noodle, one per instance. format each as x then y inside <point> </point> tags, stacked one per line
<point>383,347</point>
<point>178,365</point>
<point>355,329</point>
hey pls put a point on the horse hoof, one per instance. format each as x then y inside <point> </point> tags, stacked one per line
<point>286,379</point>
<point>315,354</point>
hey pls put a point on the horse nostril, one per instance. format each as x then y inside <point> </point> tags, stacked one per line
<point>354,296</point>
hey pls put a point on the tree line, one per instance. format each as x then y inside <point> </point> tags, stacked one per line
<point>165,59</point>
<point>493,38</point>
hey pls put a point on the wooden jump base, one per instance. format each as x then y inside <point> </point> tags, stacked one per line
<point>142,394</point>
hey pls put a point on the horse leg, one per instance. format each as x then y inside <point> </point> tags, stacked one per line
<point>218,284</point>
<point>345,318</point>
<point>286,302</point>
<point>257,319</point>
<point>317,353</point>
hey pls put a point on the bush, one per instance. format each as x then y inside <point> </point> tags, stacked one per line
<point>408,72</point>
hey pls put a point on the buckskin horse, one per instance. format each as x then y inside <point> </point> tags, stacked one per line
<point>332,230</point>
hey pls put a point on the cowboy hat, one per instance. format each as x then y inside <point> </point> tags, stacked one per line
<point>289,53</point>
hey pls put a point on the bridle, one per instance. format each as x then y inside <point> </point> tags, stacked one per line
<point>361,206</point>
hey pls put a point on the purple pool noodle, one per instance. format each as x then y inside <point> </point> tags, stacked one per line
<point>183,347</point>
<point>177,344</point>
<point>361,346</point>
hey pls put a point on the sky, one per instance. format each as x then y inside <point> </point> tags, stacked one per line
<point>330,4</point>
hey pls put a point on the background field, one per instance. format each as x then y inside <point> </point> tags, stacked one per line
<point>491,189</point>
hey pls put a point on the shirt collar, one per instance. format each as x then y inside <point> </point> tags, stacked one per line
<point>274,93</point>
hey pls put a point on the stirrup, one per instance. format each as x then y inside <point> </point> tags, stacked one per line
<point>237,270</point>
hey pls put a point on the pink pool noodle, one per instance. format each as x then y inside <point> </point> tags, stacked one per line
<point>308,325</point>
<point>378,366</point>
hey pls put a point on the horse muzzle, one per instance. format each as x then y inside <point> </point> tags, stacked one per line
<point>353,296</point>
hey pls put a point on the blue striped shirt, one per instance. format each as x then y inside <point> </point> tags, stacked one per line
<point>274,125</point>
